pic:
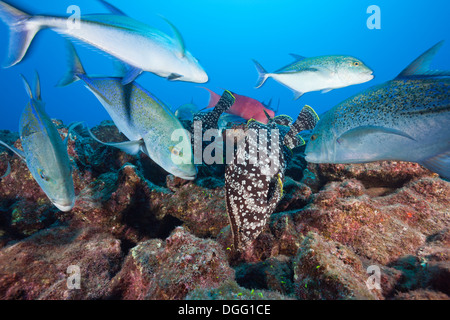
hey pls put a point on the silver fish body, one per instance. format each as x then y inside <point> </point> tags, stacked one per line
<point>144,119</point>
<point>318,73</point>
<point>45,153</point>
<point>140,46</point>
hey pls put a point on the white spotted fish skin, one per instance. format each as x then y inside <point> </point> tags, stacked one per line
<point>252,193</point>
<point>254,188</point>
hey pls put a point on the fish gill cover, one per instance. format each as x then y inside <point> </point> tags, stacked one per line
<point>239,213</point>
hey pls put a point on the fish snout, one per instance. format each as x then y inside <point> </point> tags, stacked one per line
<point>202,77</point>
<point>64,205</point>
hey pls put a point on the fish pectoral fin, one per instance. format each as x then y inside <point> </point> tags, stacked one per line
<point>439,164</point>
<point>8,171</point>
<point>131,74</point>
<point>69,131</point>
<point>130,147</point>
<point>20,153</point>
<point>275,191</point>
<point>326,90</point>
<point>297,95</point>
<point>364,130</point>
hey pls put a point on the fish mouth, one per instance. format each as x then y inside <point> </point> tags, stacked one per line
<point>187,177</point>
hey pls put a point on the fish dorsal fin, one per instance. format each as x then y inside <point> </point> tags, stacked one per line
<point>178,38</point>
<point>297,57</point>
<point>421,66</point>
<point>112,8</point>
<point>27,87</point>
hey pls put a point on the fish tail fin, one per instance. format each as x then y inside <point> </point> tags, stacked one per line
<point>75,68</point>
<point>213,98</point>
<point>262,74</point>
<point>22,30</point>
<point>439,164</point>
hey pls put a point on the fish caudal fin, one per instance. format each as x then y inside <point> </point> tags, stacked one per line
<point>262,74</point>
<point>439,164</point>
<point>213,98</point>
<point>75,68</point>
<point>21,32</point>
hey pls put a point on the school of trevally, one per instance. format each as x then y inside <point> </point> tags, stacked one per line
<point>224,150</point>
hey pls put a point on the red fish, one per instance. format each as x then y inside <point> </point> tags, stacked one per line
<point>244,107</point>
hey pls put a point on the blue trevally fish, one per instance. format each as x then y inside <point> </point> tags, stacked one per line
<point>44,152</point>
<point>140,46</point>
<point>144,119</point>
<point>405,119</point>
<point>323,73</point>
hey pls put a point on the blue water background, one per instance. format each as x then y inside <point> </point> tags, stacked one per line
<point>225,35</point>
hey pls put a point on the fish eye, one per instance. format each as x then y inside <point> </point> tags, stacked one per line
<point>356,63</point>
<point>176,152</point>
<point>313,137</point>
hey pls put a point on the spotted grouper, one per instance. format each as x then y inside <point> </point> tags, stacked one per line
<point>405,119</point>
<point>254,179</point>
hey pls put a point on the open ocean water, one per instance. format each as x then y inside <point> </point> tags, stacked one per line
<point>225,36</point>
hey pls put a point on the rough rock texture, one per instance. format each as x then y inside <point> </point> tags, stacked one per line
<point>171,269</point>
<point>36,268</point>
<point>137,232</point>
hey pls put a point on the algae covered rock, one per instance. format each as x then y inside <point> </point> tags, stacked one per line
<point>37,267</point>
<point>170,269</point>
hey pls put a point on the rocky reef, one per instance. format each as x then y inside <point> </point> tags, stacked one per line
<point>138,233</point>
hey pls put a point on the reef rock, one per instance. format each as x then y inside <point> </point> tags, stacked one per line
<point>137,232</point>
<point>43,265</point>
<point>170,269</point>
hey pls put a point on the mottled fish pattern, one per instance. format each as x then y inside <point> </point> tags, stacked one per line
<point>255,186</point>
